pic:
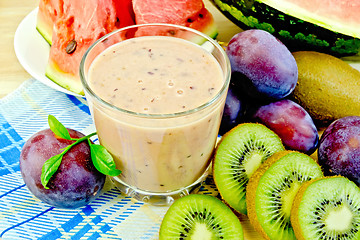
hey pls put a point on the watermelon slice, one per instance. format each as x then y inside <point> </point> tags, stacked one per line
<point>189,13</point>
<point>328,26</point>
<point>80,25</point>
<point>71,27</point>
<point>48,12</point>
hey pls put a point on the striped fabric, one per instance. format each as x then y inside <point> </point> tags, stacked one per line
<point>22,216</point>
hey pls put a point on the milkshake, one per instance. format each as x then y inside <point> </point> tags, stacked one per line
<point>157,103</point>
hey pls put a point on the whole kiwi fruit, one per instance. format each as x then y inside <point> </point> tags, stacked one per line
<point>328,87</point>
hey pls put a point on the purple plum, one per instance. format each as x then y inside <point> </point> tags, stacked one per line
<point>76,182</point>
<point>291,123</point>
<point>339,148</point>
<point>234,110</point>
<point>261,65</point>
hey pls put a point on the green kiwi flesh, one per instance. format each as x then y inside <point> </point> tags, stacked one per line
<point>239,153</point>
<point>276,189</point>
<point>329,209</point>
<point>200,217</point>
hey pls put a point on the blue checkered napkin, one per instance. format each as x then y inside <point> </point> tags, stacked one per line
<point>22,216</point>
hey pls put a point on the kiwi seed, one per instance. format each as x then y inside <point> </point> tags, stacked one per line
<point>239,153</point>
<point>198,216</point>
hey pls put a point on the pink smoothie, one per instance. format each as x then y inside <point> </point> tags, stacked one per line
<point>158,75</point>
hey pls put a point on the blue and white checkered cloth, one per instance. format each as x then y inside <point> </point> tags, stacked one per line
<point>22,216</point>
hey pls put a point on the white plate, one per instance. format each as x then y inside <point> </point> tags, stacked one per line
<point>32,51</point>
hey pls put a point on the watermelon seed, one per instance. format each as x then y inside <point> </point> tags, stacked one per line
<point>71,46</point>
<point>171,32</point>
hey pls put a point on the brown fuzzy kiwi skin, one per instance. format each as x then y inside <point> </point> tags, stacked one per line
<point>294,210</point>
<point>327,87</point>
<point>251,190</point>
<point>294,214</point>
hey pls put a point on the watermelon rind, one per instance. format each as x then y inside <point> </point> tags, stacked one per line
<point>44,28</point>
<point>301,32</point>
<point>211,31</point>
<point>45,33</point>
<point>63,79</point>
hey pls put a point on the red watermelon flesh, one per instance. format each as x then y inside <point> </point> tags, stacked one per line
<point>83,21</point>
<point>189,13</point>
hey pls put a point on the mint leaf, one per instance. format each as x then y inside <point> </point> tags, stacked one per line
<point>52,164</point>
<point>57,128</point>
<point>49,168</point>
<point>102,160</point>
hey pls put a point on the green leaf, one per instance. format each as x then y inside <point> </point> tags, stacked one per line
<point>49,168</point>
<point>102,160</point>
<point>57,128</point>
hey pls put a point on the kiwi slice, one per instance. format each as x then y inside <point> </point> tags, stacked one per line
<point>272,189</point>
<point>327,208</point>
<point>198,216</point>
<point>238,154</point>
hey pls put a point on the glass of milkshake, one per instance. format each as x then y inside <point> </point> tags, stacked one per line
<point>156,93</point>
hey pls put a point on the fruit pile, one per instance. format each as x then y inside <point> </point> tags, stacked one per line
<point>264,73</point>
<point>284,193</point>
<point>263,165</point>
<point>276,104</point>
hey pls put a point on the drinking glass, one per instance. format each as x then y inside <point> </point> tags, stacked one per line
<point>162,156</point>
